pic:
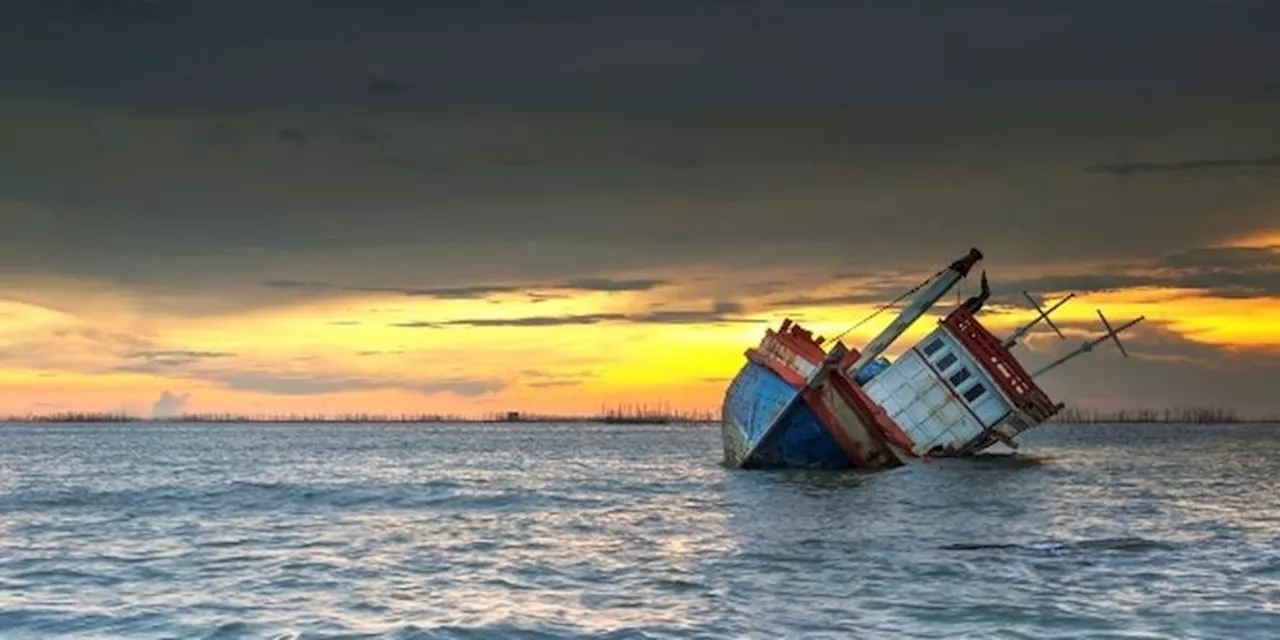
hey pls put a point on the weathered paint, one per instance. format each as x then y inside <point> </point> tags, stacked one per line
<point>797,439</point>
<point>829,422</point>
<point>794,348</point>
<point>753,400</point>
<point>778,366</point>
<point>939,395</point>
<point>860,439</point>
<point>948,394</point>
<point>1001,366</point>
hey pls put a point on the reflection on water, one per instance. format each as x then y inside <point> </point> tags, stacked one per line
<point>615,531</point>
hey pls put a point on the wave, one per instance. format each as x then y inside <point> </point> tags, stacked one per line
<point>1123,544</point>
<point>256,497</point>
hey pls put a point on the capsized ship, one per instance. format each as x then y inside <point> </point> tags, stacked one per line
<point>796,403</point>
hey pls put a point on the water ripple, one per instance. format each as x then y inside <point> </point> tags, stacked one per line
<point>475,531</point>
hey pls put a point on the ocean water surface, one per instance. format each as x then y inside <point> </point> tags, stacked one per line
<point>595,531</point>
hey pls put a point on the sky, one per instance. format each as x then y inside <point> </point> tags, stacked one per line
<point>469,207</point>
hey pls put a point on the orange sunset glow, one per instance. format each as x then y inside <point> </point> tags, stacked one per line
<point>537,350</point>
<point>663,319</point>
<point>459,225</point>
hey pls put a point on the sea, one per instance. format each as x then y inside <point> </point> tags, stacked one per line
<point>628,531</point>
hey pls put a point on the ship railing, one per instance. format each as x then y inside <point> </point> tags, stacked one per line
<point>1007,371</point>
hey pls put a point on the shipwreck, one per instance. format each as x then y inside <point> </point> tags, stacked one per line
<point>800,401</point>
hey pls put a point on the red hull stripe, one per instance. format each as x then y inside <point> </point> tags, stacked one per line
<point>816,400</point>
<point>884,429</point>
<point>775,365</point>
<point>1005,369</point>
<point>806,349</point>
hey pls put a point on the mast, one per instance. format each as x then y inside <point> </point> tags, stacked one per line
<point>1111,334</point>
<point>923,301</point>
<point>1044,315</point>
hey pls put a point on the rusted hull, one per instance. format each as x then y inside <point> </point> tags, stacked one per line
<point>858,425</point>
<point>956,392</point>
<point>768,422</point>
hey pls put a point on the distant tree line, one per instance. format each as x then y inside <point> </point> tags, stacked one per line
<point>623,414</point>
<point>620,414</point>
<point>1182,415</point>
<point>75,416</point>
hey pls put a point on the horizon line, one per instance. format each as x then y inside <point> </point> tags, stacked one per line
<point>1069,415</point>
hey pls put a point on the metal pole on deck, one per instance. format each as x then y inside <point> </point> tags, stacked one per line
<point>1111,334</point>
<point>918,307</point>
<point>1044,315</point>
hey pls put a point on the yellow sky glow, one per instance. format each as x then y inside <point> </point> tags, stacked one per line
<point>348,354</point>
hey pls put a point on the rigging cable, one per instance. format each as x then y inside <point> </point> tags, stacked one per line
<point>884,308</point>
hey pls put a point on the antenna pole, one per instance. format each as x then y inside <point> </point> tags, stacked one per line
<point>919,306</point>
<point>1044,315</point>
<point>1111,334</point>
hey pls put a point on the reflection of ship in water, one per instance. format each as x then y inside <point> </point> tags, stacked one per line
<point>956,392</point>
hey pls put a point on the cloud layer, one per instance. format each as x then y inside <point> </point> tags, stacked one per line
<point>260,200</point>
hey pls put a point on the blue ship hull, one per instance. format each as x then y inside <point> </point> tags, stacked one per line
<point>798,440</point>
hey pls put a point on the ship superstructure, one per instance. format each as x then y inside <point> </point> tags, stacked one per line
<point>957,391</point>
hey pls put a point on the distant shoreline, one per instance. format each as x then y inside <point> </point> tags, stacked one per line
<point>1069,416</point>
<point>678,420</point>
<point>338,421</point>
<point>533,423</point>
<point>1172,415</point>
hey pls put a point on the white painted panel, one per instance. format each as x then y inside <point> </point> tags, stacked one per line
<point>918,412</point>
<point>904,395</point>
<point>952,412</point>
<point>922,384</point>
<point>889,407</point>
<point>991,408</point>
<point>936,395</point>
<point>935,429</point>
<point>927,407</point>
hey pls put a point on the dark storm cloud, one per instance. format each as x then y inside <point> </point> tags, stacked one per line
<point>538,379</point>
<point>385,85</point>
<point>531,53</point>
<point>1161,361</point>
<point>479,291</point>
<point>305,385</point>
<point>1229,272</point>
<point>444,293</point>
<point>294,135</point>
<point>1223,258</point>
<point>724,311</point>
<point>83,349</point>
<point>191,355</point>
<point>168,141</point>
<point>549,384</point>
<point>688,317</point>
<point>609,284</point>
<point>170,361</point>
<point>1130,168</point>
<point>526,321</point>
<point>155,361</point>
<point>869,296</point>
<point>540,374</point>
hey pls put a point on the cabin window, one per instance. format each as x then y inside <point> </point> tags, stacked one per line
<point>946,361</point>
<point>959,376</point>
<point>975,392</point>
<point>932,347</point>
